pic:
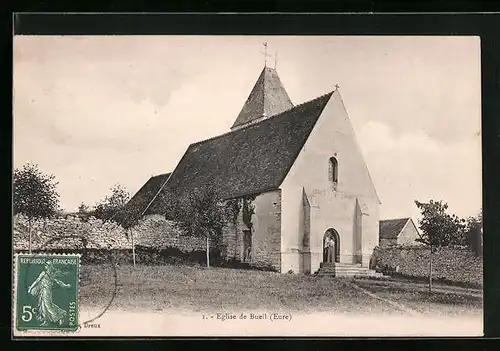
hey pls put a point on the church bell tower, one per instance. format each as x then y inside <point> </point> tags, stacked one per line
<point>267,98</point>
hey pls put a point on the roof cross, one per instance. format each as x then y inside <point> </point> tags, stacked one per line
<point>266,55</point>
<point>336,86</point>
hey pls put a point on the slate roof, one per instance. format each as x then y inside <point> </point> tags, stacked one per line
<point>148,191</point>
<point>390,228</point>
<point>250,160</point>
<point>268,97</point>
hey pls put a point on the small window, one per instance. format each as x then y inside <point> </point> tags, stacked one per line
<point>333,171</point>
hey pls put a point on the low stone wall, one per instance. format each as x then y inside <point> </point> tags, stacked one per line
<point>155,231</point>
<point>156,241</point>
<point>72,233</point>
<point>459,265</point>
<point>68,233</point>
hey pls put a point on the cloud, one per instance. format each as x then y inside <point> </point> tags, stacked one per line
<point>95,111</point>
<point>415,166</point>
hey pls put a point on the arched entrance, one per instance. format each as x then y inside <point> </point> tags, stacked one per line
<point>332,234</point>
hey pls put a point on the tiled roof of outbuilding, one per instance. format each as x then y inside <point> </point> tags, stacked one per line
<point>390,228</point>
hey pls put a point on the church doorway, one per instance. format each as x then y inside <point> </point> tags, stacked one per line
<point>331,235</point>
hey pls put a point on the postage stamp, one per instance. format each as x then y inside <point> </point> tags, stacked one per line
<point>46,288</point>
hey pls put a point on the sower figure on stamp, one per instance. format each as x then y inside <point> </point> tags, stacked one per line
<point>42,289</point>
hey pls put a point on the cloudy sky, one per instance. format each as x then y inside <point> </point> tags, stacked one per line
<point>96,111</point>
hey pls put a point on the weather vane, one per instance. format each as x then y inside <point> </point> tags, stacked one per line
<point>266,55</point>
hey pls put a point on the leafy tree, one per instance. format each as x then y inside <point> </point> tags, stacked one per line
<point>34,194</point>
<point>83,209</point>
<point>114,208</point>
<point>200,214</point>
<point>438,228</point>
<point>128,216</point>
<point>110,207</point>
<point>473,233</point>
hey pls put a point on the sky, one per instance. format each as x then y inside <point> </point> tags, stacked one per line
<point>105,110</point>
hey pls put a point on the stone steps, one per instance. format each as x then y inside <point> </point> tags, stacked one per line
<point>345,270</point>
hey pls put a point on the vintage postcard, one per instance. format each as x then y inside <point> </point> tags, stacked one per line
<point>247,186</point>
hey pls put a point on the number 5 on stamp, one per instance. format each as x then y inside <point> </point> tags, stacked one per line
<point>46,292</point>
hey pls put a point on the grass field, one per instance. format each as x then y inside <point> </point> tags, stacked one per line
<point>197,289</point>
<point>420,300</point>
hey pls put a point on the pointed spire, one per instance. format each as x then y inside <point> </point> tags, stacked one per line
<point>267,98</point>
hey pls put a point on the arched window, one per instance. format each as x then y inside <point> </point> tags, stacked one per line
<point>333,171</point>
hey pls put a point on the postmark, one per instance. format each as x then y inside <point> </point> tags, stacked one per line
<point>46,288</point>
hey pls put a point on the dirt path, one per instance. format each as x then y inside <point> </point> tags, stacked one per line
<point>392,303</point>
<point>440,288</point>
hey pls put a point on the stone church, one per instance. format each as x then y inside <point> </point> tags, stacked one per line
<point>300,171</point>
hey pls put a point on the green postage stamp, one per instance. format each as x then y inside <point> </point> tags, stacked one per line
<point>46,288</point>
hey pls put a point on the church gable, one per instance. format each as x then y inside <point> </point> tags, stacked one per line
<point>267,98</point>
<point>331,170</point>
<point>331,159</point>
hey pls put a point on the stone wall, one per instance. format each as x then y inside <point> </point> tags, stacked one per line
<point>155,231</point>
<point>68,233</point>
<point>266,231</point>
<point>232,238</point>
<point>156,240</point>
<point>387,242</point>
<point>72,233</point>
<point>458,265</point>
